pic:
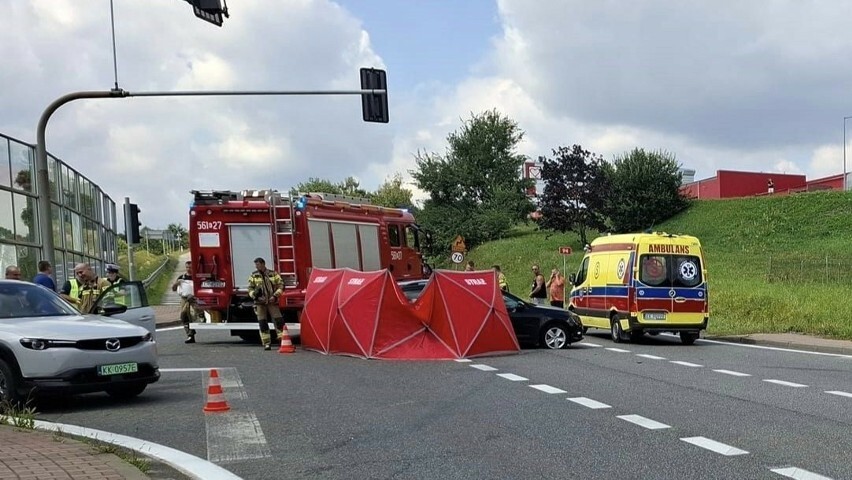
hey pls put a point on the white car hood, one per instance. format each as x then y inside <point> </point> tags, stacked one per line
<point>70,327</point>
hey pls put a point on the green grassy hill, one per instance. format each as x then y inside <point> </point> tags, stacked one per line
<point>775,264</point>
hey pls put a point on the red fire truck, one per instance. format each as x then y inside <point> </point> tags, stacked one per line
<point>228,230</point>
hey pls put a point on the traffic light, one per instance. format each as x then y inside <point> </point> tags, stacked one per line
<point>209,10</point>
<point>374,106</point>
<point>131,222</point>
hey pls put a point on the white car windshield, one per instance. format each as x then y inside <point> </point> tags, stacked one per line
<point>20,300</point>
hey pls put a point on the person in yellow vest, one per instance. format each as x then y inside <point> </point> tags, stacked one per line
<point>265,286</point>
<point>114,280</point>
<point>83,290</point>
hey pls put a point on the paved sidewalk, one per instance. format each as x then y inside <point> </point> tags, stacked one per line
<point>31,454</point>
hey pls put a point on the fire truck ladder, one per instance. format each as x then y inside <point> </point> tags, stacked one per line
<point>285,252</point>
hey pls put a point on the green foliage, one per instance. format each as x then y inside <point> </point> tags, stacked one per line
<point>749,243</point>
<point>575,191</point>
<point>645,190</point>
<point>475,189</point>
<point>393,194</point>
<point>349,186</point>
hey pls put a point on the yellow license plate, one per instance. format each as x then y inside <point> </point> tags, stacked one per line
<point>117,369</point>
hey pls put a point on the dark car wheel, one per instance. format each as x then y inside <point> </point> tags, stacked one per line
<point>688,338</point>
<point>554,337</point>
<point>125,392</point>
<point>8,386</point>
<point>616,332</point>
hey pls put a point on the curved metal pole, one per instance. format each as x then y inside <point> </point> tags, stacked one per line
<point>45,218</point>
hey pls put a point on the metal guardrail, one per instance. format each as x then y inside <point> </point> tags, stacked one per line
<point>155,274</point>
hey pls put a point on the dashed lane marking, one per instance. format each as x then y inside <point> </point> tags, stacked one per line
<point>484,368</point>
<point>512,377</point>
<point>798,473</point>
<point>463,360</point>
<point>589,403</point>
<point>837,392</point>
<point>782,382</point>
<point>548,389</point>
<point>686,364</point>
<point>587,344</point>
<point>714,446</point>
<point>644,422</point>
<point>619,350</point>
<point>733,373</point>
<point>648,355</point>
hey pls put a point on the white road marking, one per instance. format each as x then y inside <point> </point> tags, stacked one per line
<point>512,377</point>
<point>685,364</point>
<point>798,473</point>
<point>169,329</point>
<point>462,360</point>
<point>619,350</point>
<point>587,344</point>
<point>589,403</point>
<point>648,355</point>
<point>162,370</point>
<point>484,368</point>
<point>714,446</point>
<point>644,422</point>
<point>776,349</point>
<point>233,436</point>
<point>837,392</point>
<point>547,389</point>
<point>185,463</point>
<point>782,382</point>
<point>731,372</point>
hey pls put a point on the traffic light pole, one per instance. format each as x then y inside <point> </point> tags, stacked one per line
<point>131,267</point>
<point>45,216</point>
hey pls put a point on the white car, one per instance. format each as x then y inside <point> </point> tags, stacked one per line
<point>47,347</point>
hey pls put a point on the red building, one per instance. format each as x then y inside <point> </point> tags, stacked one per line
<point>733,184</point>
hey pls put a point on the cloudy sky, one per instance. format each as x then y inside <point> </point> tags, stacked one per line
<point>723,85</point>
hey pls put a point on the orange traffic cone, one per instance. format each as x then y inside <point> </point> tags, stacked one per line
<point>215,396</point>
<point>286,344</point>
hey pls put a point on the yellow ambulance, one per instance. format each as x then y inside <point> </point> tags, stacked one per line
<point>635,283</point>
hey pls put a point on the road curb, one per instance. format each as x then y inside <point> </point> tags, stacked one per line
<point>814,346</point>
<point>172,323</point>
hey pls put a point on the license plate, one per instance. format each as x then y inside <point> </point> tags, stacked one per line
<point>654,315</point>
<point>212,284</point>
<point>117,369</point>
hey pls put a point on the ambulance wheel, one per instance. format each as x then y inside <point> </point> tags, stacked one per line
<point>688,338</point>
<point>616,332</point>
<point>585,330</point>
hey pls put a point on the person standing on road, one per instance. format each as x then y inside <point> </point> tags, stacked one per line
<point>184,286</point>
<point>501,279</point>
<point>43,277</point>
<point>265,286</point>
<point>538,291</point>
<point>556,286</point>
<point>83,290</point>
<point>13,273</point>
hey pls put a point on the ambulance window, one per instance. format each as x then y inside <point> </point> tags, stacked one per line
<point>584,270</point>
<point>688,271</point>
<point>393,235</point>
<point>652,270</point>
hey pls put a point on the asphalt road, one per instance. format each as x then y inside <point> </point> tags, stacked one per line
<point>615,411</point>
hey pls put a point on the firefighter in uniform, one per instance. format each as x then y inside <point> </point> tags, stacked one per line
<point>83,290</point>
<point>265,286</point>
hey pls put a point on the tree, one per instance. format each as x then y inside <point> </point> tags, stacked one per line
<point>349,186</point>
<point>475,189</point>
<point>391,193</point>
<point>179,232</point>
<point>645,189</point>
<point>575,191</point>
